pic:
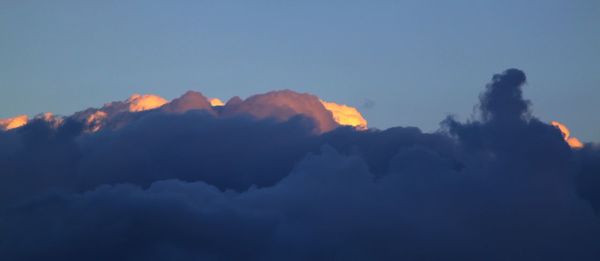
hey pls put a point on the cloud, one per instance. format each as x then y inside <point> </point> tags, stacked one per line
<point>216,102</point>
<point>145,102</point>
<point>277,105</point>
<point>274,177</point>
<point>189,101</point>
<point>283,105</point>
<point>572,141</point>
<point>14,122</point>
<point>345,115</point>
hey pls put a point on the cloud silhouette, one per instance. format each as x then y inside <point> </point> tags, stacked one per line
<point>274,177</point>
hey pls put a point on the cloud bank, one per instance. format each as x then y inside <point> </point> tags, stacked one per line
<point>277,177</point>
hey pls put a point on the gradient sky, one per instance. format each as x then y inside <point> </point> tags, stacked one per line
<point>402,63</point>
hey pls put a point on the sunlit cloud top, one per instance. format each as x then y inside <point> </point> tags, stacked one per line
<point>346,115</point>
<point>572,141</point>
<point>144,102</point>
<point>14,122</point>
<point>216,102</point>
<point>281,105</point>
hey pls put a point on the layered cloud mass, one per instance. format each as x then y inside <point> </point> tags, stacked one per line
<point>287,176</point>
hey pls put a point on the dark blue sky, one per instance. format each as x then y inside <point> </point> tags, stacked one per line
<point>415,61</point>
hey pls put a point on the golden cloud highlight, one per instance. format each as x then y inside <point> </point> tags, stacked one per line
<point>14,122</point>
<point>216,102</point>
<point>572,141</point>
<point>346,115</point>
<point>143,102</point>
<point>95,120</point>
<point>55,121</point>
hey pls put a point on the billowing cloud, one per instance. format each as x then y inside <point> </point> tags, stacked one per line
<point>278,105</point>
<point>283,105</point>
<point>275,177</point>
<point>191,100</point>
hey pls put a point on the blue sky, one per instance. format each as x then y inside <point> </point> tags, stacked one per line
<point>414,61</point>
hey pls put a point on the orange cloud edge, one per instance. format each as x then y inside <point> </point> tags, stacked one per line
<point>572,141</point>
<point>343,115</point>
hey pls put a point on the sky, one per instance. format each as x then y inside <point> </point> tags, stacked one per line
<point>294,174</point>
<point>401,63</point>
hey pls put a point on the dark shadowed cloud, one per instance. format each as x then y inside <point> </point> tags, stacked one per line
<point>273,177</point>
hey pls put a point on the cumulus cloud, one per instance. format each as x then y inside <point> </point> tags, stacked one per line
<point>277,105</point>
<point>275,177</point>
<point>191,100</point>
<point>283,105</point>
